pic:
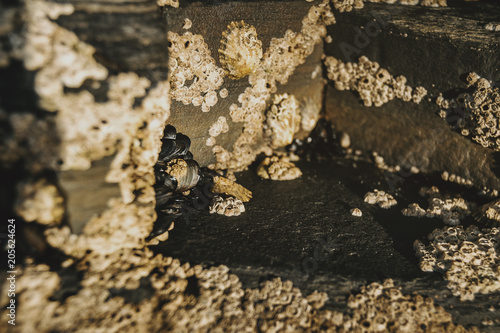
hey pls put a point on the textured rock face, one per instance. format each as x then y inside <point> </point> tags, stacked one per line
<point>95,85</point>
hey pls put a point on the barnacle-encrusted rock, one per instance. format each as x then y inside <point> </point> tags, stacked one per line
<point>221,304</point>
<point>469,259</point>
<point>240,51</point>
<point>478,112</point>
<point>283,120</point>
<point>375,85</point>
<point>226,186</point>
<point>40,201</point>
<point>229,206</point>
<point>278,168</point>
<point>450,209</point>
<point>384,200</point>
<point>279,61</point>
<point>384,308</point>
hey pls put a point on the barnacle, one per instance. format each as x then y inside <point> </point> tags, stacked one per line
<point>186,172</point>
<point>356,212</point>
<point>309,111</point>
<point>380,198</point>
<point>226,186</point>
<point>240,51</point>
<point>283,120</point>
<point>229,206</point>
<point>278,168</point>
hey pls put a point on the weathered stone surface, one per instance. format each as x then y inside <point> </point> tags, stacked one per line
<point>271,20</point>
<point>433,48</point>
<point>87,192</point>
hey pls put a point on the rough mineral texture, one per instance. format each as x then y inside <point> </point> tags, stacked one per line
<point>468,259</point>
<point>92,86</point>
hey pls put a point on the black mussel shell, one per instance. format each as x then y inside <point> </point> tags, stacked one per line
<point>164,181</point>
<point>176,206</point>
<point>174,148</point>
<point>190,178</point>
<point>162,197</point>
<point>169,133</point>
<point>183,144</point>
<point>168,151</point>
<point>162,224</point>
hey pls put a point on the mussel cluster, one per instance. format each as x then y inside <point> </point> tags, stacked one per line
<point>177,174</point>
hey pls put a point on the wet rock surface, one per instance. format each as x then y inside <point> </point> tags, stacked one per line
<point>303,231</point>
<point>307,223</point>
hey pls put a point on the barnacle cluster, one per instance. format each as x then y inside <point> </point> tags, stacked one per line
<point>452,210</point>
<point>282,120</point>
<point>179,297</point>
<point>278,63</point>
<point>477,111</point>
<point>40,201</point>
<point>278,168</point>
<point>446,176</point>
<point>469,259</point>
<point>492,26</point>
<point>347,5</point>
<point>380,198</point>
<point>375,85</point>
<point>218,127</point>
<point>229,206</point>
<point>240,51</point>
<point>384,308</point>
<point>428,3</point>
<point>489,213</point>
<point>194,298</point>
<point>194,76</point>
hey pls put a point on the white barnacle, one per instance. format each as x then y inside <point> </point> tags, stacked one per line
<point>310,114</point>
<point>283,120</point>
<point>277,168</point>
<point>229,206</point>
<point>240,51</point>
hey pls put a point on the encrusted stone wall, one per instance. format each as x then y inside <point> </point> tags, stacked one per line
<point>87,90</point>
